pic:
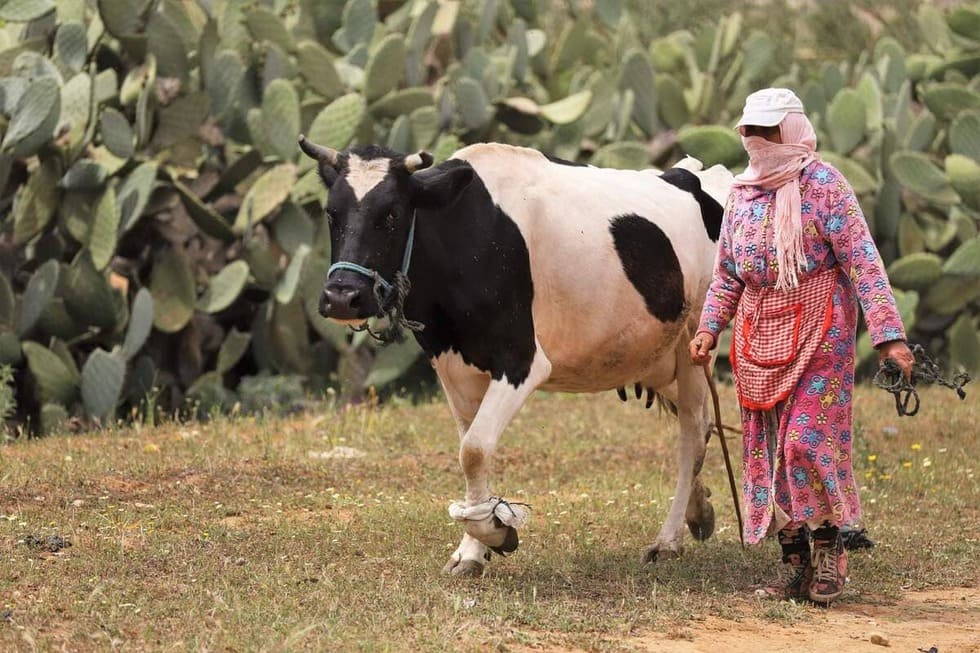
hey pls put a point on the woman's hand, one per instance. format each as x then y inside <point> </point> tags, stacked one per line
<point>899,352</point>
<point>700,348</point>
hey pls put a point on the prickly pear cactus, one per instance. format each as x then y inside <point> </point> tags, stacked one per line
<point>164,239</point>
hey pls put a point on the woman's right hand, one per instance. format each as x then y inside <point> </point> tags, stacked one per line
<point>700,348</point>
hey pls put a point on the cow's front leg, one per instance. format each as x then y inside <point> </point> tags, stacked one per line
<point>690,502</point>
<point>465,387</point>
<point>489,521</point>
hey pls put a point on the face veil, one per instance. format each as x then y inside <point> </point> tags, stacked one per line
<point>778,166</point>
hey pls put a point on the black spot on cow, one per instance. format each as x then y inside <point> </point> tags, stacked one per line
<point>564,162</point>
<point>471,276</point>
<point>650,264</point>
<point>711,211</point>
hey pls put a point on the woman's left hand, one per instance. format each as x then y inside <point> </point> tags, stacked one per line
<point>898,351</point>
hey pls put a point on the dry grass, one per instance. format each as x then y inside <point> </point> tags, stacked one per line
<point>239,534</point>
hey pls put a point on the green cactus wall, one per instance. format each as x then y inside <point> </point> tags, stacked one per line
<point>162,244</point>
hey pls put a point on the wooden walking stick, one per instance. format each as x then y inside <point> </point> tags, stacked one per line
<point>724,451</point>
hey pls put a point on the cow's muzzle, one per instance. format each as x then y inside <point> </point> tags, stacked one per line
<point>342,303</point>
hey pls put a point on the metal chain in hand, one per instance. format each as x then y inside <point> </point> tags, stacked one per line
<point>925,370</point>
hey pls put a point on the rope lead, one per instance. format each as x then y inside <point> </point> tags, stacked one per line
<point>392,302</point>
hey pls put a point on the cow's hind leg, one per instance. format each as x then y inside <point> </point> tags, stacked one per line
<point>690,502</point>
<point>700,514</point>
<point>490,523</point>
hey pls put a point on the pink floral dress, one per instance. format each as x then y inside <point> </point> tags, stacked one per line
<point>797,456</point>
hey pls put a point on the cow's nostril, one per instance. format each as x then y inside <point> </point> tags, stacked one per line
<point>324,304</point>
<point>341,304</point>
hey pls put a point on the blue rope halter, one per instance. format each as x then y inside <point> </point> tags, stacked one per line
<point>374,275</point>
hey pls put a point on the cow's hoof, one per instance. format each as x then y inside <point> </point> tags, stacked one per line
<point>702,528</point>
<point>463,568</point>
<point>662,552</point>
<point>510,543</point>
<point>494,534</point>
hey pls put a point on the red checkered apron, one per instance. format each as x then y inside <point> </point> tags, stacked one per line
<point>775,334</point>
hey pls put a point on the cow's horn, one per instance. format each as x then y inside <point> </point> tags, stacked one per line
<point>318,152</point>
<point>418,161</point>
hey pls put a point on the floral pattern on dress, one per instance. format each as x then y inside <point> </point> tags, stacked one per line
<point>808,473</point>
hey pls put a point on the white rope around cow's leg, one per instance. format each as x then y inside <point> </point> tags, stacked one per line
<point>493,522</point>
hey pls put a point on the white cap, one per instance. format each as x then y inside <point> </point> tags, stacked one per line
<point>769,106</point>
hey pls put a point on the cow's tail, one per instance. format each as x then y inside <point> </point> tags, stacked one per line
<point>665,405</point>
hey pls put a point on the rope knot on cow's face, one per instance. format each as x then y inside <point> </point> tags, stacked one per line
<point>390,298</point>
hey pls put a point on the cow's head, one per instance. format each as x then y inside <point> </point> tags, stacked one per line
<point>372,204</point>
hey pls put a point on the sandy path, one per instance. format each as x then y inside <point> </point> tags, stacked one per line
<point>946,619</point>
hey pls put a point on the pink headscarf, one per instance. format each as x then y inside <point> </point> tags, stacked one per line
<point>778,165</point>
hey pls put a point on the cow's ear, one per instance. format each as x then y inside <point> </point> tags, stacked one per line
<point>441,186</point>
<point>328,174</point>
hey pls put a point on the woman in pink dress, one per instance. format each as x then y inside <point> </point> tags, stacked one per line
<point>795,258</point>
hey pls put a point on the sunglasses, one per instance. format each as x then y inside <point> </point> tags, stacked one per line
<point>758,130</point>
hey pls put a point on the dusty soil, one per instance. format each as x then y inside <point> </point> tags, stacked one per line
<point>948,620</point>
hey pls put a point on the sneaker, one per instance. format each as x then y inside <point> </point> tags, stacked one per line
<point>796,553</point>
<point>797,587</point>
<point>829,566</point>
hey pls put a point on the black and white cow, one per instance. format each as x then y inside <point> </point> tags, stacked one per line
<point>526,273</point>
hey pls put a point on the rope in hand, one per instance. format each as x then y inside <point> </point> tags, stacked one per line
<point>925,370</point>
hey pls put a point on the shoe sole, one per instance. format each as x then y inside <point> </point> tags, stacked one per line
<point>775,594</point>
<point>826,599</point>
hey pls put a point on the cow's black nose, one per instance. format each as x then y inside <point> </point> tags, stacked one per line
<point>343,304</point>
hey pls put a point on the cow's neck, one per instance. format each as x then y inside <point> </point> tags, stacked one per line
<point>450,245</point>
<point>470,276</point>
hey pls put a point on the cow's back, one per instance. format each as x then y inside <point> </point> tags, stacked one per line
<point>620,260</point>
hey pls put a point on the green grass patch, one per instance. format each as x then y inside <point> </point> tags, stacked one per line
<point>327,531</point>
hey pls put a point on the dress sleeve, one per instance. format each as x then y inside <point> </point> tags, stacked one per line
<point>726,287</point>
<point>851,242</point>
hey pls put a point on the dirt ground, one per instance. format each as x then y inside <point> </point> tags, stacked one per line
<point>935,621</point>
<point>947,620</point>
